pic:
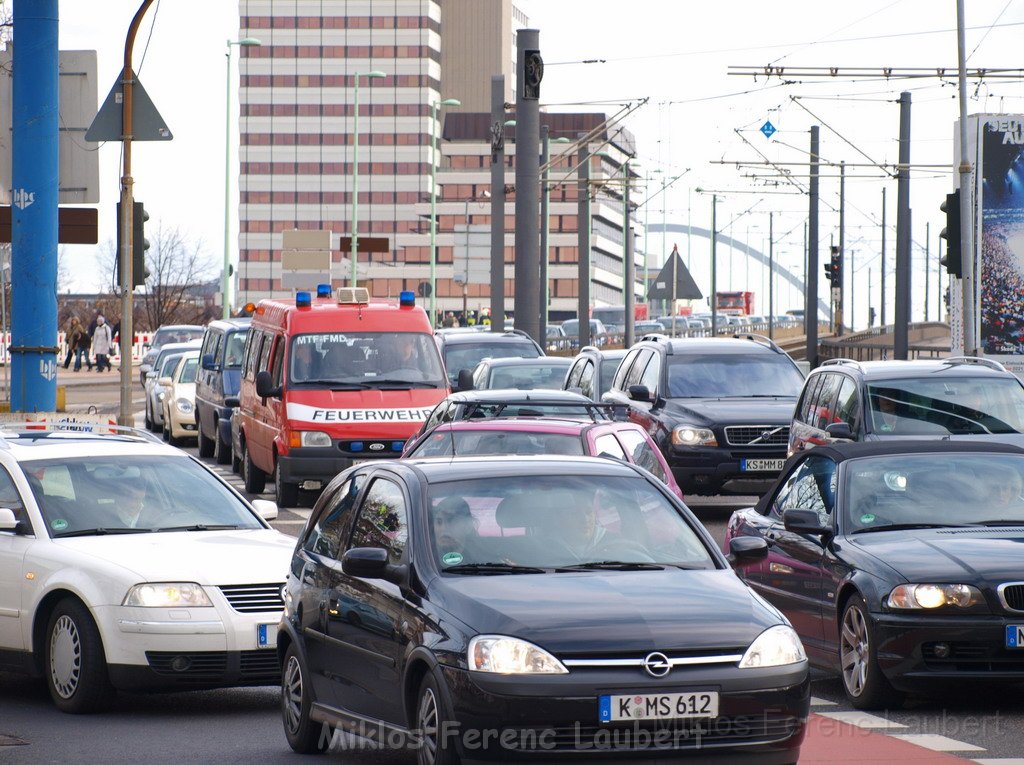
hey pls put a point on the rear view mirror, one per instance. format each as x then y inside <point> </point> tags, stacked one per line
<point>840,431</point>
<point>465,379</point>
<point>639,393</point>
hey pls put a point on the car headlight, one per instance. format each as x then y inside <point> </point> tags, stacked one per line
<point>160,396</point>
<point>775,647</point>
<point>315,438</point>
<point>511,656</point>
<point>934,596</point>
<point>184,405</point>
<point>689,435</point>
<point>167,595</point>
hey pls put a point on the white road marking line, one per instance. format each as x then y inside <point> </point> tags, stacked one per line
<point>816,702</point>
<point>862,719</point>
<point>1001,761</point>
<point>936,742</point>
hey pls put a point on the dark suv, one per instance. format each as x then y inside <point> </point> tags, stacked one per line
<point>719,408</point>
<point>217,386</point>
<point>871,400</point>
<point>463,349</point>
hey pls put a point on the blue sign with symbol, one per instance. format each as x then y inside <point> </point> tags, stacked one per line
<point>768,129</point>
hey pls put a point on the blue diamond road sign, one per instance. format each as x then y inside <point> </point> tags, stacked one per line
<point>768,129</point>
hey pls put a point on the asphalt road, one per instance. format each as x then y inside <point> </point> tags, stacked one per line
<point>244,725</point>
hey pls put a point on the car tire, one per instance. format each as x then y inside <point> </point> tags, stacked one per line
<point>304,735</point>
<point>431,715</point>
<point>221,448</point>
<point>863,681</point>
<point>286,494</point>
<point>73,660</point>
<point>206,445</point>
<point>149,420</point>
<point>255,479</point>
<point>236,462</point>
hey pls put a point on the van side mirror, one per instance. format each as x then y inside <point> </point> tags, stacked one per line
<point>208,363</point>
<point>841,431</point>
<point>639,393</point>
<point>265,385</point>
<point>465,379</point>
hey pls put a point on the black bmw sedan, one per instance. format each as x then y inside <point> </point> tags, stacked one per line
<point>531,608</point>
<point>900,564</point>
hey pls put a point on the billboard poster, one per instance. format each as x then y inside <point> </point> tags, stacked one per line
<point>1000,216</point>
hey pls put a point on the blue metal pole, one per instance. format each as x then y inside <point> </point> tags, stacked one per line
<point>34,212</point>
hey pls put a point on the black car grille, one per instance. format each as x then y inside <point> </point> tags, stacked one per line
<point>256,665</point>
<point>254,598</point>
<point>970,656</point>
<point>653,735</point>
<point>757,435</point>
<point>1013,597</point>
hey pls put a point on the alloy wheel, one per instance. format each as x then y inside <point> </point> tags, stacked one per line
<point>65,657</point>
<point>854,651</point>
<point>291,698</point>
<point>428,727</point>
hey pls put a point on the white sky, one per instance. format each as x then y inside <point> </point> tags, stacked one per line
<point>676,54</point>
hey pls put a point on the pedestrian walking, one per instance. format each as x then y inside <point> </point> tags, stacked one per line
<point>102,342</point>
<point>72,334</point>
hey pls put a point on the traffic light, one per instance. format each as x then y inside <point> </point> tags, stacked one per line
<point>834,268</point>
<point>951,233</point>
<point>139,244</point>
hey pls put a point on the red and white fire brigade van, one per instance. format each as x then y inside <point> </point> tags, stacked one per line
<point>328,382</point>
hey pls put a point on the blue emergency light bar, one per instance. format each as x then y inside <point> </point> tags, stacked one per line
<point>303,300</point>
<point>407,298</point>
<point>323,290</point>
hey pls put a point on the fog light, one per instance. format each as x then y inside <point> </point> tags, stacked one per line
<point>310,485</point>
<point>941,650</point>
<point>181,663</point>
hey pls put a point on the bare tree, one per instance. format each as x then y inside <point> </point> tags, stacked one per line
<point>106,267</point>
<point>176,267</point>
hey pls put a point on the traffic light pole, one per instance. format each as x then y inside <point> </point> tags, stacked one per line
<point>842,250</point>
<point>966,197</point>
<point>125,417</point>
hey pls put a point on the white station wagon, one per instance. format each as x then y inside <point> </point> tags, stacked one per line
<point>127,564</point>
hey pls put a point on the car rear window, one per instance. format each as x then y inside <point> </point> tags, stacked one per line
<point>468,355</point>
<point>478,442</point>
<point>529,377</point>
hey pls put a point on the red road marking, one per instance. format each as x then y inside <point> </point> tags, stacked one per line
<point>830,741</point>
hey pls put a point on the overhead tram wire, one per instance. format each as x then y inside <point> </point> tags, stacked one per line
<point>847,141</point>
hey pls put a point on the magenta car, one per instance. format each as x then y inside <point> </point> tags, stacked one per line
<point>617,440</point>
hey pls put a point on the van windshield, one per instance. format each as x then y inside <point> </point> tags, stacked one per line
<point>233,351</point>
<point>365,360</point>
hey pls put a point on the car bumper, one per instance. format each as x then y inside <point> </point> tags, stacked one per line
<point>319,464</point>
<point>708,469</point>
<point>761,717</point>
<point>911,650</point>
<point>159,648</point>
<point>182,424</point>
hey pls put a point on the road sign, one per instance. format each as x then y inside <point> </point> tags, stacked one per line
<point>768,129</point>
<point>147,124</point>
<point>75,225</point>
<point>686,287</point>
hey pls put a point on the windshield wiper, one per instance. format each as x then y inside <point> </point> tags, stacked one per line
<point>899,526</point>
<point>613,565</point>
<point>404,383</point>
<point>1000,522</point>
<point>492,568</point>
<point>201,527</point>
<point>100,531</point>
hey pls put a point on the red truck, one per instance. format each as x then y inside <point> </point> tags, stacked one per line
<point>739,303</point>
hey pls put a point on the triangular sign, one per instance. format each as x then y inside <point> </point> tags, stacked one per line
<point>686,287</point>
<point>147,124</point>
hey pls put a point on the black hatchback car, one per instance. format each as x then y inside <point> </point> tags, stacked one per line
<point>530,608</point>
<point>898,563</point>
<point>463,349</point>
<point>719,408</point>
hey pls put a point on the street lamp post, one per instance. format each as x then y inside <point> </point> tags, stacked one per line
<point>374,75</point>
<point>225,282</point>
<point>465,277</point>
<point>433,203</point>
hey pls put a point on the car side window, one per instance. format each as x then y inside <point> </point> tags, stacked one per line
<point>619,383</point>
<point>811,487</point>
<point>641,452</point>
<point>434,417</point>
<point>330,526</point>
<point>848,404</point>
<point>825,401</point>
<point>10,498</point>
<point>586,382</point>
<point>218,339</point>
<point>480,375</point>
<point>608,446</point>
<point>637,370</point>
<point>572,380</point>
<point>252,353</point>
<point>277,362</point>
<point>208,342</point>
<point>652,374</point>
<point>383,520</point>
<point>806,403</point>
<point>264,362</point>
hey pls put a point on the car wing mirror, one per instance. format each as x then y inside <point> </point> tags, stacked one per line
<point>745,550</point>
<point>840,431</point>
<point>232,402</point>
<point>266,509</point>
<point>8,521</point>
<point>265,386</point>
<point>165,382</point>
<point>371,563</point>
<point>208,362</point>
<point>465,381</point>
<point>639,393</point>
<point>802,521</point>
